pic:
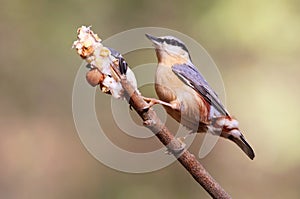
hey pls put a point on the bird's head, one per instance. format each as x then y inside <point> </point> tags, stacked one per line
<point>169,47</point>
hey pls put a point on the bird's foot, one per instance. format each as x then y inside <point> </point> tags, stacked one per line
<point>152,101</point>
<point>177,147</point>
<point>192,132</point>
<point>149,122</point>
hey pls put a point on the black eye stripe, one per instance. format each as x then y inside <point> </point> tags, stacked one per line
<point>174,43</point>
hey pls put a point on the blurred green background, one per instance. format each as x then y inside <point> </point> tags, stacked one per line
<point>255,44</point>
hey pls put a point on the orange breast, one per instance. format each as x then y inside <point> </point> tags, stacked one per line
<point>194,109</point>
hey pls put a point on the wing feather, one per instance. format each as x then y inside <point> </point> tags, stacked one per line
<point>189,74</point>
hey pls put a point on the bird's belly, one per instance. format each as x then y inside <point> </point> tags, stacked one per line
<point>193,112</point>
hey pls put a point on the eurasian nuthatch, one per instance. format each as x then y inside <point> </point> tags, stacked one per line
<point>186,95</point>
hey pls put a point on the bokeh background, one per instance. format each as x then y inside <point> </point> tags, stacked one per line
<point>255,44</point>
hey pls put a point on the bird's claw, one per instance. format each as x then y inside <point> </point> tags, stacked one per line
<point>149,122</point>
<point>152,101</point>
<point>192,132</point>
<point>177,149</point>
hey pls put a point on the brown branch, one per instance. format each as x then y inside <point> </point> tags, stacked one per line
<point>188,160</point>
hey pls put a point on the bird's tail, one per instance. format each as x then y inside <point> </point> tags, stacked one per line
<point>229,129</point>
<point>243,144</point>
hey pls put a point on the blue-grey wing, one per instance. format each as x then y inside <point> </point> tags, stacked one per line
<point>122,63</point>
<point>192,77</point>
<point>115,53</point>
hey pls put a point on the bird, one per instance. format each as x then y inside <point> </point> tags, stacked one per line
<point>187,96</point>
<point>100,61</point>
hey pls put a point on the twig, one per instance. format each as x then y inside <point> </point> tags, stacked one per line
<point>188,160</point>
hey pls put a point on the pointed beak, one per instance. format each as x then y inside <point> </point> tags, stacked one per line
<point>156,41</point>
